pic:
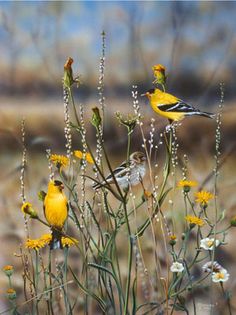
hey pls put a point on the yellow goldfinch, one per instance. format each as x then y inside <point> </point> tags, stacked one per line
<point>127,175</point>
<point>171,107</point>
<point>56,211</point>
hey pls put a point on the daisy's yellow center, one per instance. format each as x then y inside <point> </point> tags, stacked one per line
<point>210,243</point>
<point>220,275</point>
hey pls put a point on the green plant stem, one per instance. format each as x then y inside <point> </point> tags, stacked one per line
<point>227,298</point>
<point>36,281</point>
<point>66,297</point>
<point>9,281</point>
<point>130,249</point>
<point>50,281</point>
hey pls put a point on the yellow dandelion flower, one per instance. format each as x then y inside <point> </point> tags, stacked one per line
<point>66,241</point>
<point>87,156</point>
<point>203,197</point>
<point>11,294</point>
<point>8,270</point>
<point>46,238</point>
<point>78,154</point>
<point>159,68</point>
<point>27,208</point>
<point>35,244</point>
<point>187,183</point>
<point>59,160</point>
<point>193,220</point>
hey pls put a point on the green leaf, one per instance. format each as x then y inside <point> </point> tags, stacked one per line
<point>100,301</point>
<point>41,195</point>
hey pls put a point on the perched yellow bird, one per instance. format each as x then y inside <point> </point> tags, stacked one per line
<point>171,107</point>
<point>55,211</point>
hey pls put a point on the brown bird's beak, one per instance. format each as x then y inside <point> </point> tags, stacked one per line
<point>144,94</point>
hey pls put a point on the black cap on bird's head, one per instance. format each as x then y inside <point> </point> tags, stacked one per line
<point>149,92</point>
<point>58,184</point>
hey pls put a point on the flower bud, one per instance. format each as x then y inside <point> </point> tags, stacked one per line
<point>96,119</point>
<point>173,240</point>
<point>233,221</point>
<point>8,270</point>
<point>27,209</point>
<point>11,294</point>
<point>146,195</point>
<point>159,74</point>
<point>68,79</point>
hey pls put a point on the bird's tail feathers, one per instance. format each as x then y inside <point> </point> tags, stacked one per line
<point>56,240</point>
<point>206,114</point>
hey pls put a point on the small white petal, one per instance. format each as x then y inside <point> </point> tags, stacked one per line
<point>221,276</point>
<point>208,243</point>
<point>176,267</point>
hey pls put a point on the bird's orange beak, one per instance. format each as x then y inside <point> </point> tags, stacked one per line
<point>145,94</point>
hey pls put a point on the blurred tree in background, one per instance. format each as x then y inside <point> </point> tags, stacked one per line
<point>195,40</point>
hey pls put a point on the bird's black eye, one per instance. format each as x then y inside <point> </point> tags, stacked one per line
<point>151,91</point>
<point>57,183</point>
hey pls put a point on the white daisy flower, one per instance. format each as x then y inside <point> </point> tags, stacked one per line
<point>212,266</point>
<point>176,267</point>
<point>220,276</point>
<point>208,243</point>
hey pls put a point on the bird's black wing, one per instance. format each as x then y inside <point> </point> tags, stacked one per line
<point>118,172</point>
<point>178,107</point>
